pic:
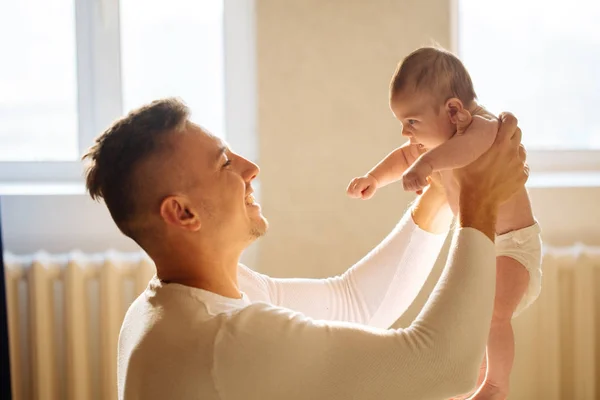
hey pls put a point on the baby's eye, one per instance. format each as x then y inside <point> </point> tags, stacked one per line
<point>411,122</point>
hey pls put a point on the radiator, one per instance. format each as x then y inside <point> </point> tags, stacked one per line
<point>558,337</point>
<point>64,316</point>
<point>65,313</point>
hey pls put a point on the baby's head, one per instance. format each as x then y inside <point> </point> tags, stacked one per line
<point>427,90</point>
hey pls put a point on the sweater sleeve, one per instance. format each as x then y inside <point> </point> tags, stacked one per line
<point>266,352</point>
<point>376,291</point>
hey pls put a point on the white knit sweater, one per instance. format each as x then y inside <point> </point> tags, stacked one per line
<point>318,339</point>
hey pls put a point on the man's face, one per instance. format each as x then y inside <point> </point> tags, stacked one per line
<point>421,122</point>
<point>219,186</point>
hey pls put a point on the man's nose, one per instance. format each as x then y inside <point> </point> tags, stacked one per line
<point>251,170</point>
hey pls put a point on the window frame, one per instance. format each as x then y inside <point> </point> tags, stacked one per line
<point>539,160</point>
<point>99,83</point>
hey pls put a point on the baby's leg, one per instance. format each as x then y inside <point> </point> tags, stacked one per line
<point>512,280</point>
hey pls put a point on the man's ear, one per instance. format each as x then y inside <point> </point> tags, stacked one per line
<point>453,107</point>
<point>178,211</point>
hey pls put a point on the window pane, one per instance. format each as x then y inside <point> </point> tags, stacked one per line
<point>538,59</point>
<point>175,50</point>
<point>38,81</point>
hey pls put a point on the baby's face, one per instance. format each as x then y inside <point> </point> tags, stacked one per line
<point>421,122</point>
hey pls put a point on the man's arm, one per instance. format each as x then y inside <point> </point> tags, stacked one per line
<point>268,352</point>
<point>379,288</point>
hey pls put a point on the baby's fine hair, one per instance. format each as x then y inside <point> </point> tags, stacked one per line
<point>436,71</point>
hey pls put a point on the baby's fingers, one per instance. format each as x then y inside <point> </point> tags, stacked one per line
<point>368,192</point>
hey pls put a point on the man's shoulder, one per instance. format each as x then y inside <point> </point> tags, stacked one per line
<point>254,284</point>
<point>164,353</point>
<point>163,308</point>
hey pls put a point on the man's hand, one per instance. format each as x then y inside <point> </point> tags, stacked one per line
<point>431,211</point>
<point>493,178</point>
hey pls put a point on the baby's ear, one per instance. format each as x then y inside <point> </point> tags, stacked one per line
<point>459,116</point>
<point>454,107</point>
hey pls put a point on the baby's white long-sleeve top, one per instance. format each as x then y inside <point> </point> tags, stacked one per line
<point>318,339</point>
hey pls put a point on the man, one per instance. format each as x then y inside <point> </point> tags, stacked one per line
<point>209,328</point>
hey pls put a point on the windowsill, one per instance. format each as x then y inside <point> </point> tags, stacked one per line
<point>41,188</point>
<point>567,179</point>
<point>538,180</point>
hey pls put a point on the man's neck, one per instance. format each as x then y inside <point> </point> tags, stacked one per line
<point>214,273</point>
<point>225,288</point>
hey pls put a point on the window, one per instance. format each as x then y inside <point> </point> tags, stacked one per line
<point>174,49</point>
<point>38,81</point>
<point>538,59</point>
<point>69,68</point>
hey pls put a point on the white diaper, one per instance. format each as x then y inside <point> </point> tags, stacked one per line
<point>525,246</point>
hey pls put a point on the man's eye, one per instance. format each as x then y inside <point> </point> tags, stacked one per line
<point>227,163</point>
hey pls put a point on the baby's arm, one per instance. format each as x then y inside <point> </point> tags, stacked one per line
<point>459,151</point>
<point>391,168</point>
<point>463,148</point>
<point>387,171</point>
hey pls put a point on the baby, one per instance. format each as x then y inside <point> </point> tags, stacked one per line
<point>432,96</point>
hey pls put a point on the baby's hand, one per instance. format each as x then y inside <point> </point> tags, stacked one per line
<point>363,187</point>
<point>414,178</point>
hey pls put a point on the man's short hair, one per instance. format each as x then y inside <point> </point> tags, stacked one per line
<point>118,151</point>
